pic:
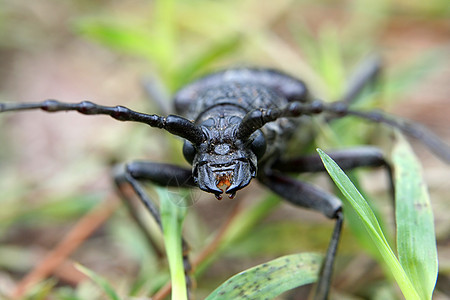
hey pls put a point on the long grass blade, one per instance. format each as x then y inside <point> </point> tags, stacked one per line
<point>416,241</point>
<point>100,281</point>
<point>172,217</point>
<point>373,228</point>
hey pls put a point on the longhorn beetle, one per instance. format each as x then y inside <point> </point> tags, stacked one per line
<point>236,125</point>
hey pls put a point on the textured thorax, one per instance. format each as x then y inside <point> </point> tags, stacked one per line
<point>221,108</point>
<point>243,96</point>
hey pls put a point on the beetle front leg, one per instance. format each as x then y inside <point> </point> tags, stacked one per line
<point>161,174</point>
<point>309,196</point>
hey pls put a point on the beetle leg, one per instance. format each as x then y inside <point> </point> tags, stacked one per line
<point>347,159</point>
<point>367,74</point>
<point>307,195</point>
<point>161,174</point>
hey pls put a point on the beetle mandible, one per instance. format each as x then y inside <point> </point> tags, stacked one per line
<point>236,125</point>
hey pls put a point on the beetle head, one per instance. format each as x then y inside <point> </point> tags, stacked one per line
<point>223,163</point>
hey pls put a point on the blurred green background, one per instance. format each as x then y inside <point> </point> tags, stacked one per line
<point>56,167</point>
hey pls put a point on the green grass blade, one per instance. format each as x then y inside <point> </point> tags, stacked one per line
<point>100,281</point>
<point>165,31</point>
<point>371,224</point>
<point>270,279</point>
<point>172,217</point>
<point>126,38</point>
<point>212,54</point>
<point>416,241</point>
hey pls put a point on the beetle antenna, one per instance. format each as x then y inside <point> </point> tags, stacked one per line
<point>257,118</point>
<point>176,125</point>
<point>415,130</point>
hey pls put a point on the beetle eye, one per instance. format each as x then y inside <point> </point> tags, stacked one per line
<point>259,144</point>
<point>189,151</point>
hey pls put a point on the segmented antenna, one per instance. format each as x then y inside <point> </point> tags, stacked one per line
<point>257,118</point>
<point>415,130</point>
<point>174,124</point>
